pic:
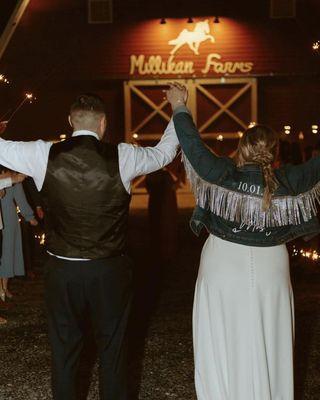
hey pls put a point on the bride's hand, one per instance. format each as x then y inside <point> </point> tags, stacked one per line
<point>177,95</point>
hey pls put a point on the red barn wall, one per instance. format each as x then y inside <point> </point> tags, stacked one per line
<point>56,54</point>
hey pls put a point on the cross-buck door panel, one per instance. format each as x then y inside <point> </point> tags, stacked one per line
<point>222,108</point>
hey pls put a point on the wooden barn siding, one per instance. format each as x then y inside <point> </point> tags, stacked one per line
<point>56,54</point>
<point>55,35</point>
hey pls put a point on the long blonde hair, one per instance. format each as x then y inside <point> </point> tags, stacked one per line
<point>260,145</point>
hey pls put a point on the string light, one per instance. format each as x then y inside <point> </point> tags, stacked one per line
<point>135,136</point>
<point>310,254</point>
<point>220,138</point>
<point>240,134</point>
<point>63,137</point>
<point>252,124</point>
<point>314,129</point>
<point>287,129</point>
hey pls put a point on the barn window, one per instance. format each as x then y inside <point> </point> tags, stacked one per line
<point>100,11</point>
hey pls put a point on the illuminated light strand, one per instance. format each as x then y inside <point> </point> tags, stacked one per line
<point>287,129</point>
<point>310,254</point>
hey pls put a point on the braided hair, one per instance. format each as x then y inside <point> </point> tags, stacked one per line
<point>259,145</point>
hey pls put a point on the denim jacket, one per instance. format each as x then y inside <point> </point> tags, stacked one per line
<point>229,198</point>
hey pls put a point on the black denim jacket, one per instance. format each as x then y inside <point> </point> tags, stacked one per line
<point>229,199</point>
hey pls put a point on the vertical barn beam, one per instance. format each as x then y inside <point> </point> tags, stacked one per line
<point>12,25</point>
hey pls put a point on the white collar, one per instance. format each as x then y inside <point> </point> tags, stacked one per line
<point>84,132</point>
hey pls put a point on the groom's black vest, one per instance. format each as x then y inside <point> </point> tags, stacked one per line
<point>85,201</point>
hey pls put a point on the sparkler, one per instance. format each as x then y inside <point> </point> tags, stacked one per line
<point>28,97</point>
<point>3,79</point>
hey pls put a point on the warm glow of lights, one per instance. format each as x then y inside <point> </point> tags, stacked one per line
<point>314,131</point>
<point>311,254</point>
<point>63,137</point>
<point>316,45</point>
<point>30,97</point>
<point>3,79</point>
<point>135,136</point>
<point>252,124</point>
<point>287,129</point>
<point>220,138</point>
<point>42,239</point>
<point>314,126</point>
<point>240,134</point>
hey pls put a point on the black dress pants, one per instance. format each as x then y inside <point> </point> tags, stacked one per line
<point>104,287</point>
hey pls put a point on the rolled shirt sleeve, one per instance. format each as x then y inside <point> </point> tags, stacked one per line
<point>136,161</point>
<point>29,158</point>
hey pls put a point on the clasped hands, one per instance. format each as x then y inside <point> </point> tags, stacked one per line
<point>177,95</point>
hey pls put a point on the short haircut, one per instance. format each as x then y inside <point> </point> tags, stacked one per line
<point>87,110</point>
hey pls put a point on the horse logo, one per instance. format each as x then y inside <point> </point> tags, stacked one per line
<point>194,38</point>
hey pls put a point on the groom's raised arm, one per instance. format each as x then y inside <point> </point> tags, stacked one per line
<point>28,158</point>
<point>136,161</point>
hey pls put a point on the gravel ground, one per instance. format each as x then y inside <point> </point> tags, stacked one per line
<point>160,359</point>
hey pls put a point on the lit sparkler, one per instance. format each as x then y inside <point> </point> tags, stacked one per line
<point>3,79</point>
<point>28,98</point>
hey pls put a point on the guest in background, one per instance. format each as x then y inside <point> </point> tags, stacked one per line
<point>6,180</point>
<point>12,263</point>
<point>163,214</point>
<point>28,231</point>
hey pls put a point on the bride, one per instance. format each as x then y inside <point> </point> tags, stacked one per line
<point>243,315</point>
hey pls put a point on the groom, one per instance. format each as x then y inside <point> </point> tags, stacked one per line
<point>85,184</point>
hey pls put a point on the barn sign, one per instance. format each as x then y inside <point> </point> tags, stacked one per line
<point>192,40</point>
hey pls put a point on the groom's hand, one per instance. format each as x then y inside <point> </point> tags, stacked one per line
<point>177,95</point>
<point>17,178</point>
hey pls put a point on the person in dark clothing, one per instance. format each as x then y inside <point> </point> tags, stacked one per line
<point>85,184</point>
<point>28,231</point>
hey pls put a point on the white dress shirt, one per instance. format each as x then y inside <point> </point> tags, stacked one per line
<point>31,158</point>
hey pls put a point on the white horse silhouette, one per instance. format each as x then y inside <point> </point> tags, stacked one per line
<point>194,38</point>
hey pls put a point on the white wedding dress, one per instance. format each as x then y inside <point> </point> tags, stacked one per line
<point>243,323</point>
